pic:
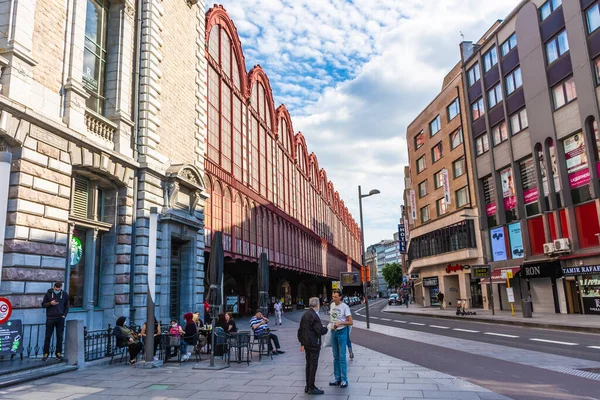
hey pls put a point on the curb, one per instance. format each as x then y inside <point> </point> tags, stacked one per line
<point>582,329</point>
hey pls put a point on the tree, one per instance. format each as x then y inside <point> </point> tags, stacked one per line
<point>392,273</point>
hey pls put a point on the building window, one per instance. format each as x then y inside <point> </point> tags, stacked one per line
<point>456,138</point>
<point>425,214</point>
<point>453,109</point>
<point>437,180</point>
<point>556,47</point>
<point>419,140</point>
<point>490,59</point>
<point>597,70</point>
<point>436,152</point>
<point>518,121</point>
<point>458,167</point>
<point>513,81</point>
<point>420,164</point>
<point>441,206</point>
<point>494,96</point>
<point>473,74</point>
<point>482,144</point>
<point>548,7</point>
<point>499,133</point>
<point>462,197</point>
<point>563,93</point>
<point>477,110</point>
<point>593,18</point>
<point>509,44</point>
<point>94,54</point>
<point>423,189</point>
<point>435,126</point>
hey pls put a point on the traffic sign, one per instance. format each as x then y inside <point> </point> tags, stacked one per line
<point>5,309</point>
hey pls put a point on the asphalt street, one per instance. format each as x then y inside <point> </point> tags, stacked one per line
<point>570,344</point>
<point>512,379</point>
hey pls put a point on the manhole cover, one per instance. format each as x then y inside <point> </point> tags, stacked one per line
<point>159,387</point>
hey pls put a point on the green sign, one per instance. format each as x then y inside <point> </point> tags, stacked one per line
<point>76,250</point>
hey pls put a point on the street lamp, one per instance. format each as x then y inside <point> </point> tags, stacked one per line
<point>485,260</point>
<point>362,239</point>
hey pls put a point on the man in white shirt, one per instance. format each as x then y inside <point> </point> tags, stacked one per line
<point>278,312</point>
<point>341,318</point>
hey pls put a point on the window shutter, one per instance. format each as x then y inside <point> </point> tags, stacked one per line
<point>81,198</point>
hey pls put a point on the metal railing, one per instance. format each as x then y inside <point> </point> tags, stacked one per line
<point>448,239</point>
<point>98,344</point>
<point>33,342</point>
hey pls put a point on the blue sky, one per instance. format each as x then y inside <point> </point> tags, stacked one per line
<point>354,74</point>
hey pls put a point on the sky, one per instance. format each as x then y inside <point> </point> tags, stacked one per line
<point>354,74</point>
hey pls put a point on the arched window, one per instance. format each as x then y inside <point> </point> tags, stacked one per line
<point>252,230</point>
<point>238,217</point>
<point>208,214</point>
<point>217,208</point>
<point>247,224</point>
<point>227,220</point>
<point>259,229</point>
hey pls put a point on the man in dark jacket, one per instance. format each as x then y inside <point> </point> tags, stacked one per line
<point>56,303</point>
<point>309,335</point>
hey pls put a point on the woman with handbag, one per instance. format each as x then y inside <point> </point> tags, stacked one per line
<point>126,337</point>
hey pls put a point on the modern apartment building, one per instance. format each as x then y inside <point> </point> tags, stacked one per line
<point>382,253</point>
<point>533,99</point>
<point>103,108</point>
<point>441,203</point>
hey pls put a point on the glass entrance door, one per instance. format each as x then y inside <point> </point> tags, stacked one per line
<point>476,295</point>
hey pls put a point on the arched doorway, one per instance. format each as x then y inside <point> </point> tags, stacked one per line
<point>302,295</point>
<point>284,293</point>
<point>231,295</point>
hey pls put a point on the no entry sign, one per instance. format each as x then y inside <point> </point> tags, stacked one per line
<point>5,310</point>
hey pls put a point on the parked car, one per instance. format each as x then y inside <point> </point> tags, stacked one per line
<point>394,299</point>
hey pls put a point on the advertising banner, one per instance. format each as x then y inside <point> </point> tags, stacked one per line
<point>528,181</point>
<point>11,337</point>
<point>489,196</point>
<point>446,185</point>
<point>413,204</point>
<point>350,279</point>
<point>516,240</point>
<point>576,160</point>
<point>498,244</point>
<point>508,189</point>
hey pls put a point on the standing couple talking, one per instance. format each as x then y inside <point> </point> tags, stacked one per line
<point>309,335</point>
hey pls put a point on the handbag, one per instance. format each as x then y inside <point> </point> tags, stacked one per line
<point>174,340</point>
<point>328,337</point>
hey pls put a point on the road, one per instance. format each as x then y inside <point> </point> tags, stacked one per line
<point>510,378</point>
<point>569,344</point>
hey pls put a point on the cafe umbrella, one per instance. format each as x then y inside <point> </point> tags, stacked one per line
<point>214,277</point>
<point>263,284</point>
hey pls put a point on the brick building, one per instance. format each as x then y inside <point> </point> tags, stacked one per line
<point>103,108</point>
<point>440,200</point>
<point>532,91</point>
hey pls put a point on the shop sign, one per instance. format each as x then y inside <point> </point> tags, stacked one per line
<point>350,279</point>
<point>413,204</point>
<point>454,268</point>
<point>591,305</point>
<point>432,281</point>
<point>481,272</point>
<point>516,240</point>
<point>76,250</point>
<point>446,185</point>
<point>583,270</point>
<point>335,285</point>
<point>414,276</point>
<point>498,244</point>
<point>528,181</point>
<point>576,160</point>
<point>11,337</point>
<point>489,196</point>
<point>232,304</point>
<point>543,270</point>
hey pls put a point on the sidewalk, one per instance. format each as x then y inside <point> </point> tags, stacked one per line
<point>371,375</point>
<point>567,322</point>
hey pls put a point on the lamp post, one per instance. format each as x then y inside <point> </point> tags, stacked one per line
<point>362,240</point>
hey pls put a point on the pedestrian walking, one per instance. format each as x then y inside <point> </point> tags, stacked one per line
<point>406,299</point>
<point>350,352</point>
<point>440,297</point>
<point>278,312</point>
<point>341,318</point>
<point>309,335</point>
<point>56,303</point>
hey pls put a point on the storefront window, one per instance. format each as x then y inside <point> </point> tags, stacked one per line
<point>490,200</point>
<point>590,293</point>
<point>80,270</point>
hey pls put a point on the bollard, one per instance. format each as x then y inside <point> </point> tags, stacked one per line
<point>74,343</point>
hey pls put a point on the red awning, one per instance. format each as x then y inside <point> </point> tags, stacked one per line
<point>497,275</point>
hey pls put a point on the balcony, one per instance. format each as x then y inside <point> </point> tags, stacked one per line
<point>100,128</point>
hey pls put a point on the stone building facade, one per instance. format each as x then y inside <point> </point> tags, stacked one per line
<point>103,107</point>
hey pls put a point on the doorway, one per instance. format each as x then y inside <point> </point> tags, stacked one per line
<point>476,295</point>
<point>175,281</point>
<point>573,297</point>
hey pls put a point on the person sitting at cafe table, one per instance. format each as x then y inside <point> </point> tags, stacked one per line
<point>126,337</point>
<point>203,338</point>
<point>231,326</point>
<point>156,335</point>
<point>260,325</point>
<point>190,336</point>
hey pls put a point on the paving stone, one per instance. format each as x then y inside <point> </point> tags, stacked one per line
<point>396,393</point>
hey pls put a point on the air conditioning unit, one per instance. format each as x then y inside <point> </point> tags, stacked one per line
<point>562,245</point>
<point>548,248</point>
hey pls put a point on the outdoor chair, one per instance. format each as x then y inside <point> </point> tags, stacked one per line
<point>260,345</point>
<point>172,343</point>
<point>119,350</point>
<point>240,341</point>
<point>222,348</point>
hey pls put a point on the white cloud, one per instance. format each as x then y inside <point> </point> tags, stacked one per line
<point>353,75</point>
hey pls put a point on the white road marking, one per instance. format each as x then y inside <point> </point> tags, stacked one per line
<point>374,317</point>
<point>500,334</point>
<point>594,347</point>
<point>465,330</point>
<point>555,342</point>
<point>416,323</point>
<point>385,319</point>
<point>439,327</point>
<point>360,309</point>
<point>400,322</point>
